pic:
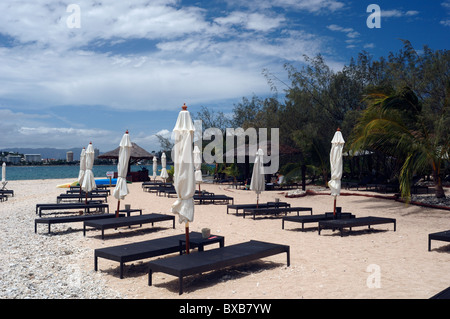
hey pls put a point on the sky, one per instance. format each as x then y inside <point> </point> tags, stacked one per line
<point>80,71</point>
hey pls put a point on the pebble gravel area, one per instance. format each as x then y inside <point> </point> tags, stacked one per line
<point>40,265</point>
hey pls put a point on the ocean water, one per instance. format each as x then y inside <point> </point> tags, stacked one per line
<point>52,172</point>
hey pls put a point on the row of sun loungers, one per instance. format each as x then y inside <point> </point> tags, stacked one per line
<point>168,190</point>
<point>193,263</point>
<point>183,265</point>
<point>150,248</point>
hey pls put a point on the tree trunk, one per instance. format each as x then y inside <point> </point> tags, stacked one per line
<point>439,190</point>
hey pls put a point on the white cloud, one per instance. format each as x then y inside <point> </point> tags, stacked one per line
<point>350,32</point>
<point>183,55</point>
<point>314,6</point>
<point>251,21</point>
<point>45,22</point>
<point>30,130</point>
<point>398,13</point>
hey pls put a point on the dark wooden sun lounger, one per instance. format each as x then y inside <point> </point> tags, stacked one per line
<point>212,198</point>
<point>69,219</point>
<point>144,249</point>
<point>78,206</point>
<point>444,294</point>
<point>126,221</point>
<point>81,198</point>
<point>442,236</point>
<point>95,191</point>
<point>276,210</point>
<point>262,205</point>
<point>313,218</point>
<point>355,222</point>
<point>214,259</point>
<point>7,192</point>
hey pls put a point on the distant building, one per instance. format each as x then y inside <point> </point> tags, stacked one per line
<point>96,153</point>
<point>33,157</point>
<point>69,156</point>
<point>15,159</point>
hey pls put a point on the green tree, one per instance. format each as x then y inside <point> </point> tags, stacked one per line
<point>396,123</point>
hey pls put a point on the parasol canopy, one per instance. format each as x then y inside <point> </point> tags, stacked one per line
<point>336,164</point>
<point>198,165</point>
<point>164,175</point>
<point>155,167</point>
<point>121,189</point>
<point>258,182</point>
<point>82,166</point>
<point>4,172</point>
<point>88,179</point>
<point>184,180</point>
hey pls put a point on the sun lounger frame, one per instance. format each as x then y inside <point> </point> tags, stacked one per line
<point>442,236</point>
<point>355,222</point>
<point>215,259</point>
<point>82,197</point>
<point>63,206</point>
<point>262,205</point>
<point>127,221</point>
<point>69,219</point>
<point>7,192</point>
<point>145,249</point>
<point>275,210</point>
<point>205,198</point>
<point>313,218</point>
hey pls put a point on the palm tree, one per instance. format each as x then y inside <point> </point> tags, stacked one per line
<point>396,124</point>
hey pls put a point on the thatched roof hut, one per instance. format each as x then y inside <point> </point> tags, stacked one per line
<point>137,154</point>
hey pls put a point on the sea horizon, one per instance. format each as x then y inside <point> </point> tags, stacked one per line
<point>65,171</point>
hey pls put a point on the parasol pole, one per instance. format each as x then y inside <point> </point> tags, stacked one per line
<point>334,208</point>
<point>118,206</point>
<point>187,238</point>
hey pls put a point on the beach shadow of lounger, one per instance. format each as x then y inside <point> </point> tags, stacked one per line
<point>310,229</point>
<point>126,231</point>
<point>132,270</point>
<point>357,232</point>
<point>212,278</point>
<point>61,231</point>
<point>442,249</point>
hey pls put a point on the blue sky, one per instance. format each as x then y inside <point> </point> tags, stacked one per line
<point>74,74</point>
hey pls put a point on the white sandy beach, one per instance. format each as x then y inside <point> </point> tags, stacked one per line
<point>61,265</point>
